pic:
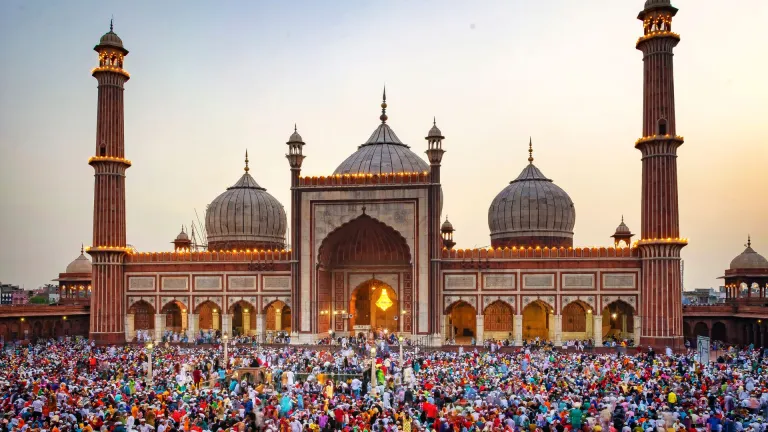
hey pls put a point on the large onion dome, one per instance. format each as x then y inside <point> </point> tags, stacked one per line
<point>749,259</point>
<point>245,216</point>
<point>531,211</point>
<point>81,264</point>
<point>382,153</point>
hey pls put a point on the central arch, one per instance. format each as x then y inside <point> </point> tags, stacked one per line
<point>374,303</point>
<point>364,245</point>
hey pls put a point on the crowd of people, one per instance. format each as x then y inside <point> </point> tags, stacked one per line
<point>76,386</point>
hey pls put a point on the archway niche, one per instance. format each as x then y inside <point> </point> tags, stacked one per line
<point>536,321</point>
<point>143,315</point>
<point>175,316</point>
<point>375,305</point>
<point>209,316</point>
<point>701,329</point>
<point>719,332</point>
<point>461,323</point>
<point>498,321</point>
<point>618,321</point>
<point>243,318</point>
<point>576,317</point>
<point>278,317</point>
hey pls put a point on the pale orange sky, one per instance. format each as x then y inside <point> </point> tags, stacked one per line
<point>208,82</point>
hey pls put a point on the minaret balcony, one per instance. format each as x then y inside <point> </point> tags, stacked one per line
<point>113,69</point>
<point>657,34</point>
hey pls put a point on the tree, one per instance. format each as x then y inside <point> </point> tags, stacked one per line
<point>39,300</point>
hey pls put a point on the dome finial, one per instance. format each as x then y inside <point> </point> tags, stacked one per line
<point>295,128</point>
<point>622,218</point>
<point>434,120</point>
<point>111,22</point>
<point>530,150</point>
<point>246,161</point>
<point>749,240</point>
<point>383,116</point>
<point>82,249</point>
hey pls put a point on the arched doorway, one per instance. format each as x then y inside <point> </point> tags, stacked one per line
<point>364,245</point>
<point>574,321</point>
<point>175,314</point>
<point>278,317</point>
<point>687,333</point>
<point>143,316</point>
<point>618,321</point>
<point>719,332</point>
<point>209,316</point>
<point>536,321</point>
<point>497,321</point>
<point>701,329</point>
<point>461,323</point>
<point>243,318</point>
<point>374,305</point>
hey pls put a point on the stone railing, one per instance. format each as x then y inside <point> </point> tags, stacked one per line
<point>365,179</point>
<point>246,256</point>
<point>528,253</point>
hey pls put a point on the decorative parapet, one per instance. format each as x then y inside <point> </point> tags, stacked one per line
<point>403,178</point>
<point>539,253</point>
<point>246,256</point>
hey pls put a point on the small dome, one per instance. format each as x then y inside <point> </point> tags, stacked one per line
<point>295,137</point>
<point>182,235</point>
<point>435,131</point>
<point>110,38</point>
<point>532,211</point>
<point>655,3</point>
<point>80,265</point>
<point>622,229</point>
<point>749,259</point>
<point>447,226</point>
<point>245,216</point>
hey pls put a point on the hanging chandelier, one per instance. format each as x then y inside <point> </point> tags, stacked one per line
<point>384,302</point>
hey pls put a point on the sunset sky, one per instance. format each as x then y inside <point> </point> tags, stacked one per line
<point>212,79</point>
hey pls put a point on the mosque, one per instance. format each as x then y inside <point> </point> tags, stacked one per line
<point>370,250</point>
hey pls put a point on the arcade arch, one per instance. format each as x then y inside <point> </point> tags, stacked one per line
<point>278,317</point>
<point>498,321</point>
<point>618,321</point>
<point>143,315</point>
<point>577,321</point>
<point>536,321</point>
<point>243,318</point>
<point>461,322</point>
<point>209,316</point>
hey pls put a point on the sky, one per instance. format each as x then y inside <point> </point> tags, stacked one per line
<point>212,79</point>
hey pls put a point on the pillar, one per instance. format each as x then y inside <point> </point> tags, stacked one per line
<point>226,324</point>
<point>517,324</point>
<point>192,326</point>
<point>260,325</point>
<point>159,326</point>
<point>637,329</point>
<point>551,326</point>
<point>215,319</point>
<point>590,324</point>
<point>479,329</point>
<point>278,319</point>
<point>130,333</point>
<point>246,322</point>
<point>558,330</point>
<point>623,326</point>
<point>598,329</point>
<point>184,320</point>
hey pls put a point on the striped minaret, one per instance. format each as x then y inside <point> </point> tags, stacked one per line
<point>109,164</point>
<point>661,291</point>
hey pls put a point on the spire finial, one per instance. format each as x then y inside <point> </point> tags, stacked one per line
<point>622,218</point>
<point>530,150</point>
<point>295,128</point>
<point>749,240</point>
<point>246,161</point>
<point>111,23</point>
<point>82,249</point>
<point>383,116</point>
<point>434,121</point>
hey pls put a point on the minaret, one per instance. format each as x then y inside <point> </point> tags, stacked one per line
<point>661,291</point>
<point>435,155</point>
<point>109,164</point>
<point>295,158</point>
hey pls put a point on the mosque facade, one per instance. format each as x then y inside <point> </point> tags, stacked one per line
<point>370,250</point>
